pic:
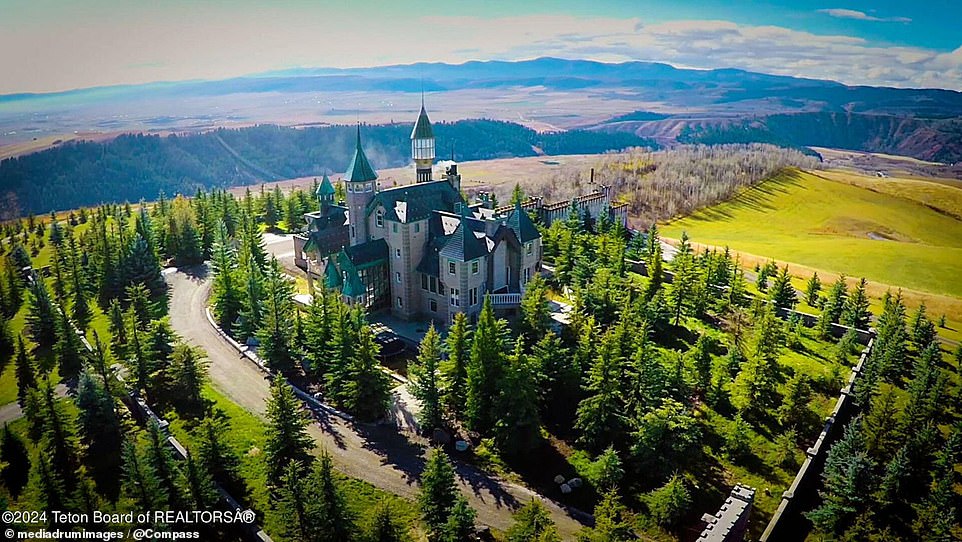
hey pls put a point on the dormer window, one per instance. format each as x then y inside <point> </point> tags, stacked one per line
<point>369,187</point>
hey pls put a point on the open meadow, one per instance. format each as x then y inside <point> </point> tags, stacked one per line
<point>895,236</point>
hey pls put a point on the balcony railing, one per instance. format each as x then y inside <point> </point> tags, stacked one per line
<point>505,300</point>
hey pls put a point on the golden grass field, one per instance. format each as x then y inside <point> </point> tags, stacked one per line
<point>900,233</point>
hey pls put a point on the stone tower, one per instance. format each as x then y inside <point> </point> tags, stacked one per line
<point>360,181</point>
<point>422,146</point>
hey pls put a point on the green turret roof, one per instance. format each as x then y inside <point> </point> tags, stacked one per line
<point>325,188</point>
<point>353,286</point>
<point>360,169</point>
<point>422,128</point>
<point>332,278</point>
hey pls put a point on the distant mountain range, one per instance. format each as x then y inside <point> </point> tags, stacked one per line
<point>650,99</point>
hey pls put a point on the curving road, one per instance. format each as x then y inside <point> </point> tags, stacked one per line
<point>378,455</point>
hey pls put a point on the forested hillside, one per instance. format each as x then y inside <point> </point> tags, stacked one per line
<point>134,167</point>
<point>938,140</point>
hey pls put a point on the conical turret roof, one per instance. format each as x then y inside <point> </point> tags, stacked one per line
<point>521,224</point>
<point>422,128</point>
<point>325,188</point>
<point>360,169</point>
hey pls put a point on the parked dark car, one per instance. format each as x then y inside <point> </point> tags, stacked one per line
<point>391,345</point>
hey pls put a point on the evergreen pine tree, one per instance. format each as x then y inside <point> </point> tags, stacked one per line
<point>812,289</point>
<point>782,293</point>
<point>15,464</point>
<point>532,523</point>
<point>460,525</point>
<point>275,332</point>
<point>384,526</point>
<point>198,486</point>
<point>367,390</point>
<point>600,414</point>
<point>188,372</point>
<point>287,438</point>
<point>856,313</point>
<point>438,493</point>
<point>217,457</point>
<point>70,351</point>
<point>558,378</point>
<point>159,457</point>
<point>100,431</point>
<point>485,369</point>
<point>517,430</point>
<point>455,368</point>
<point>140,480</point>
<point>611,522</point>
<point>25,371</point>
<point>42,315</point>
<point>424,380</point>
<point>335,521</point>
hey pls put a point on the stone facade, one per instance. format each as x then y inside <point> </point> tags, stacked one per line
<point>420,250</point>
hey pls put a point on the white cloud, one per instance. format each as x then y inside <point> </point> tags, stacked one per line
<point>208,44</point>
<point>842,13</point>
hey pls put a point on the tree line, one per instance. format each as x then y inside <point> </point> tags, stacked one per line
<point>136,166</point>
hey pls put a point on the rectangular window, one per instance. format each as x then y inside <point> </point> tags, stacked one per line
<point>399,302</point>
<point>434,306</point>
<point>452,269</point>
<point>360,300</point>
<point>379,218</point>
<point>474,296</point>
<point>455,297</point>
<point>424,281</point>
<point>397,277</point>
<point>433,285</point>
<point>527,275</point>
<point>397,253</point>
<point>528,247</point>
<point>440,288</point>
<point>394,227</point>
<point>475,267</point>
<point>417,227</point>
<point>369,187</point>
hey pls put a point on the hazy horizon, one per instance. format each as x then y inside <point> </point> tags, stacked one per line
<point>61,46</point>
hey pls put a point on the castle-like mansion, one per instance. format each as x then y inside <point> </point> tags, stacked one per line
<point>421,250</point>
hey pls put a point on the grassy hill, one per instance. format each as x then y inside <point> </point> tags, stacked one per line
<point>893,236</point>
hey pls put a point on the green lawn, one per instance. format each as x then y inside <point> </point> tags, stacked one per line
<point>834,226</point>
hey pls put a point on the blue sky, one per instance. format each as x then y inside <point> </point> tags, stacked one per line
<point>59,45</point>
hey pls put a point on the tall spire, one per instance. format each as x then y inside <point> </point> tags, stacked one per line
<point>422,145</point>
<point>360,169</point>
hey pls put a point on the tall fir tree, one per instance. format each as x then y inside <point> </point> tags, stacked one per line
<point>275,332</point>
<point>517,429</point>
<point>438,494</point>
<point>42,315</point>
<point>455,368</point>
<point>425,384</point>
<point>485,369</point>
<point>287,439</point>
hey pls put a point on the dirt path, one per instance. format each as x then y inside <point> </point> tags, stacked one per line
<point>378,455</point>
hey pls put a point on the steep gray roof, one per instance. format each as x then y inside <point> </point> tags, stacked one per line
<point>360,169</point>
<point>417,200</point>
<point>463,245</point>
<point>521,224</point>
<point>422,128</point>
